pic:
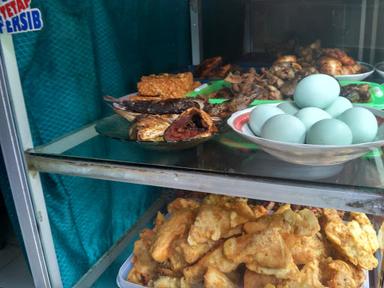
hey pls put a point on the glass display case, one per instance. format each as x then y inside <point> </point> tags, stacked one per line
<point>66,166</point>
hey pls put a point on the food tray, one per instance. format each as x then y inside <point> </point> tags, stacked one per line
<point>127,266</point>
<point>123,275</point>
<point>377,92</point>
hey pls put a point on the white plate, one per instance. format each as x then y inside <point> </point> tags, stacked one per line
<point>380,69</point>
<point>358,77</point>
<point>304,154</point>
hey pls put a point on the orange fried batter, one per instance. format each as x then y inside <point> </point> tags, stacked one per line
<point>174,228</point>
<point>214,278</point>
<point>355,240</point>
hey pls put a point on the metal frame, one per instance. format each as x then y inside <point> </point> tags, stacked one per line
<point>196,32</point>
<point>12,149</point>
<point>361,200</point>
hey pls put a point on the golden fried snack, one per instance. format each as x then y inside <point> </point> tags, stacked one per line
<point>170,282</point>
<point>214,278</point>
<point>351,69</point>
<point>339,274</point>
<point>289,272</point>
<point>166,85</point>
<point>267,249</point>
<point>309,277</point>
<point>149,128</point>
<point>355,240</point>
<point>255,280</point>
<point>192,253</point>
<point>305,249</point>
<point>339,55</point>
<point>144,267</point>
<point>212,223</point>
<point>221,217</point>
<point>215,259</point>
<point>177,225</point>
<point>301,223</point>
<point>176,256</point>
<point>182,203</point>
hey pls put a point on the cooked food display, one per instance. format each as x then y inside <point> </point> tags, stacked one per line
<point>191,124</point>
<point>213,68</point>
<point>356,93</point>
<point>221,241</point>
<point>166,86</point>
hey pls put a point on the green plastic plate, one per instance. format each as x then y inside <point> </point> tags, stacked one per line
<point>377,92</point>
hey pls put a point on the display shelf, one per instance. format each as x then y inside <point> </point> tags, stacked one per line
<point>225,165</point>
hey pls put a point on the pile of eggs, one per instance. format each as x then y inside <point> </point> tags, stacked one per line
<point>318,116</point>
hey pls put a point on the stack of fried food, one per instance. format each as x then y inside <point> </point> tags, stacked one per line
<point>227,242</point>
<point>160,112</point>
<point>332,61</point>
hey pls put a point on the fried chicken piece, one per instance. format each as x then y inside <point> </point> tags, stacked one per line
<point>285,70</point>
<point>215,259</point>
<point>340,274</point>
<point>206,68</point>
<point>340,55</point>
<point>214,278</point>
<point>175,227</point>
<point>182,203</point>
<point>351,69</point>
<point>356,240</point>
<point>330,66</point>
<point>305,249</point>
<point>301,223</point>
<point>256,280</point>
<point>144,267</point>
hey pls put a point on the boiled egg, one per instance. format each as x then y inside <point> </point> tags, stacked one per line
<point>284,128</point>
<point>329,132</point>
<point>311,115</point>
<point>362,123</point>
<point>338,106</point>
<point>317,90</point>
<point>260,114</point>
<point>288,107</point>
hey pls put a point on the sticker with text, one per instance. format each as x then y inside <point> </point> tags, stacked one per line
<point>17,16</point>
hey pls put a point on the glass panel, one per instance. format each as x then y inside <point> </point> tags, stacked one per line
<point>230,155</point>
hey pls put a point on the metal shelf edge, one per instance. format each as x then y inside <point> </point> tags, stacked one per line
<point>369,201</point>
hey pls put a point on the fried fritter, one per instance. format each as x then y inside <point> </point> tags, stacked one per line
<point>289,272</point>
<point>301,223</point>
<point>255,280</point>
<point>305,249</point>
<point>267,249</point>
<point>182,203</point>
<point>177,225</point>
<point>356,240</point>
<point>144,267</point>
<point>149,128</point>
<point>220,217</point>
<point>214,278</point>
<point>170,282</point>
<point>339,274</point>
<point>192,253</point>
<point>215,259</point>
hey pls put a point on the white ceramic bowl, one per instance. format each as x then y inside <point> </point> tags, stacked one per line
<point>304,154</point>
<point>358,77</point>
<point>380,69</point>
